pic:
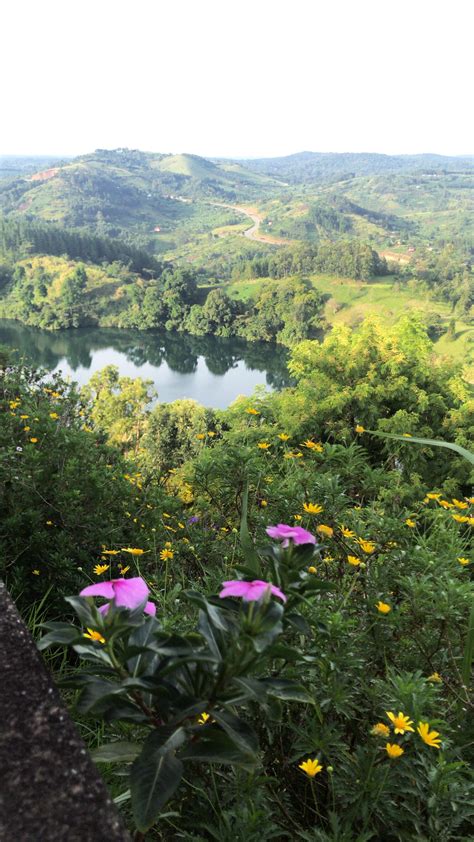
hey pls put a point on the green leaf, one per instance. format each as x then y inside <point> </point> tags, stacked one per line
<point>269,625</point>
<point>215,746</point>
<point>92,652</point>
<point>298,622</point>
<point>468,651</point>
<point>124,796</point>
<point>97,693</point>
<point>314,584</point>
<point>212,635</point>
<point>239,732</point>
<point>119,752</point>
<point>467,454</point>
<point>84,608</point>
<point>286,690</point>
<point>215,614</point>
<point>155,775</point>
<point>246,542</point>
<point>60,633</point>
<point>251,688</point>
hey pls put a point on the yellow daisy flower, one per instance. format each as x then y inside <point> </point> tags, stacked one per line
<point>313,445</point>
<point>94,635</point>
<point>401,722</point>
<point>460,504</point>
<point>101,568</point>
<point>312,508</point>
<point>435,678</point>
<point>431,738</point>
<point>348,533</point>
<point>380,730</point>
<point>328,531</point>
<point>311,767</point>
<point>393,750</point>
<point>366,546</point>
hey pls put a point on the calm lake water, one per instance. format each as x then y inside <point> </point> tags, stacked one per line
<point>211,370</point>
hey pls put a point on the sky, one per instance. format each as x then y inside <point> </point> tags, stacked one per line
<point>253,78</point>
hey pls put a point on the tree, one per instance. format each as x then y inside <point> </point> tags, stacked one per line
<point>119,405</point>
<point>381,379</point>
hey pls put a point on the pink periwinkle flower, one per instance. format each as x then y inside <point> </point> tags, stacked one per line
<point>290,533</point>
<point>128,593</point>
<point>249,591</point>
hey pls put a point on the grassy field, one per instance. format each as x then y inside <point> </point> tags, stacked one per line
<point>349,302</point>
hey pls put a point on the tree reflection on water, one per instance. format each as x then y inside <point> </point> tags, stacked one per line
<point>181,352</point>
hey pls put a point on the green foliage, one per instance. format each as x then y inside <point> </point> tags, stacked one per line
<point>19,238</point>
<point>57,479</point>
<point>118,405</point>
<point>288,311</point>
<point>164,682</point>
<point>347,258</point>
<point>174,433</point>
<point>383,379</point>
<point>378,616</point>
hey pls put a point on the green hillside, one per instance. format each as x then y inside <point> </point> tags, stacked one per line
<point>328,166</point>
<point>127,192</point>
<point>227,221</point>
<point>165,203</point>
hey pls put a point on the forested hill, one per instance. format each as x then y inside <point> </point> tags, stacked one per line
<point>329,166</point>
<point>112,190</point>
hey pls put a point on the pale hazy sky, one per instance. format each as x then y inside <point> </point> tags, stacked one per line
<point>238,79</point>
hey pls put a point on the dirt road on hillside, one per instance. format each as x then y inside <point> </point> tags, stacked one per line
<point>252,233</point>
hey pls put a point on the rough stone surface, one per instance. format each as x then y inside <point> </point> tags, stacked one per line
<point>50,790</point>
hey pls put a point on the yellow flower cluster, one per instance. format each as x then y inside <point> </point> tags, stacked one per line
<point>402,725</point>
<point>313,445</point>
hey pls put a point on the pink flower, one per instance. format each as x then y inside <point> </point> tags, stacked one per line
<point>290,533</point>
<point>250,591</point>
<point>128,593</point>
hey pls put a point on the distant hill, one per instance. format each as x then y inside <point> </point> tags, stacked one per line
<point>180,205</point>
<point>328,166</point>
<point>109,192</point>
<point>12,166</point>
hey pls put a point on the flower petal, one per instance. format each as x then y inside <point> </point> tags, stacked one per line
<point>277,592</point>
<point>256,590</point>
<point>234,587</point>
<point>130,592</point>
<point>100,589</point>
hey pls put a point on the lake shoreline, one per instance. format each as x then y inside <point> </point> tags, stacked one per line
<point>211,370</point>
